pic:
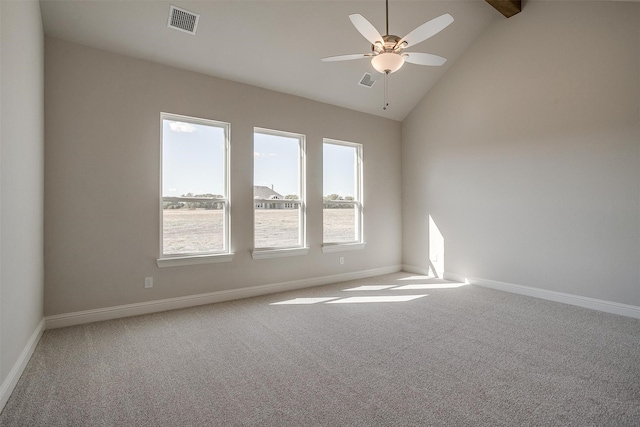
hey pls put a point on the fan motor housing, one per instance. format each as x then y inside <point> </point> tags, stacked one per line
<point>390,45</point>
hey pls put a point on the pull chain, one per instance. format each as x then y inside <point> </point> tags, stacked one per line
<point>386,90</point>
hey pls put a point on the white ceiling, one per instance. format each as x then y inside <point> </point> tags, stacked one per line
<point>277,44</point>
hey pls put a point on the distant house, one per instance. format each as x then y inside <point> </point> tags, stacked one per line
<point>263,193</point>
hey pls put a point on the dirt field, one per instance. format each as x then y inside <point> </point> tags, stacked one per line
<point>200,230</point>
<point>338,225</point>
<point>192,231</point>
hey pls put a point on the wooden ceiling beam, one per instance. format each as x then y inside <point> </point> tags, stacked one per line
<point>506,7</point>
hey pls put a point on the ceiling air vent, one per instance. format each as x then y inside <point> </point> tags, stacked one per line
<point>366,80</point>
<point>183,20</point>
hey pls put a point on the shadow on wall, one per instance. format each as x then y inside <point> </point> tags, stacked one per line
<point>436,249</point>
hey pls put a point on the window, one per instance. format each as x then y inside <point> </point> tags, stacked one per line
<point>279,200</point>
<point>342,202</point>
<point>195,190</point>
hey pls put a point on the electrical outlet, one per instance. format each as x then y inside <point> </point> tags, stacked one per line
<point>148,282</point>
<point>341,260</point>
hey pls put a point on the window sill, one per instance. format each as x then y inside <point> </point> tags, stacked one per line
<point>193,260</point>
<point>277,253</point>
<point>340,247</point>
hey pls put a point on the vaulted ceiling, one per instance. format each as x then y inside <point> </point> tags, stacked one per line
<point>278,44</point>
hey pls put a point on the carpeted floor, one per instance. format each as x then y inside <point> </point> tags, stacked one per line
<point>430,354</point>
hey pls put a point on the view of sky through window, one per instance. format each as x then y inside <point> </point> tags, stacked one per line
<point>193,163</point>
<point>275,163</point>
<point>192,159</point>
<point>339,171</point>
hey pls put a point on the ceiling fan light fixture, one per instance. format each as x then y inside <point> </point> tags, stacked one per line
<point>387,62</point>
<point>388,50</point>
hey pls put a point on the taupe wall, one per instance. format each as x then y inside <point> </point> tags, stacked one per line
<point>527,154</point>
<point>21,178</point>
<point>102,179</point>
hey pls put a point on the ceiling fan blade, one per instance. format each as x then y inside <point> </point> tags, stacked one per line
<point>426,30</point>
<point>423,58</point>
<point>366,28</point>
<point>347,57</point>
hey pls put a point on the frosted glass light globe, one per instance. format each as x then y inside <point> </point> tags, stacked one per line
<point>387,62</point>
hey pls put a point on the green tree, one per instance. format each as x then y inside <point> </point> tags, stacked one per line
<point>333,197</point>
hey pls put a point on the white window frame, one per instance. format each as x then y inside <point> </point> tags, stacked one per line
<point>357,203</point>
<point>301,248</point>
<point>172,260</point>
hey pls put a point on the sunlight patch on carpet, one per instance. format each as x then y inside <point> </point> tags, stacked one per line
<point>303,301</point>
<point>370,288</point>
<point>429,286</point>
<point>390,298</point>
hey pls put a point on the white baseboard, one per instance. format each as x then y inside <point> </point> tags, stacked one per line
<point>416,270</point>
<point>455,277</point>
<point>108,313</point>
<point>18,368</point>
<point>586,302</point>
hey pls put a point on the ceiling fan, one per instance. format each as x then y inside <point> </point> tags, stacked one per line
<point>387,52</point>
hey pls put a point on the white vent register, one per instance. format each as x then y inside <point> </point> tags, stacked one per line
<point>183,20</point>
<point>366,80</point>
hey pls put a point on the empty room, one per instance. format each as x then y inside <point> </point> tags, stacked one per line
<point>293,213</point>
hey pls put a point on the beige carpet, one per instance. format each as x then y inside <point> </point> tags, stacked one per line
<point>403,351</point>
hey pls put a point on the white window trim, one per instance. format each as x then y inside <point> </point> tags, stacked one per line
<point>177,261</point>
<point>341,247</point>
<point>172,260</point>
<point>302,249</point>
<point>278,253</point>
<point>358,204</point>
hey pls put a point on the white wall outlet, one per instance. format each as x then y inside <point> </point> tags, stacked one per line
<point>148,282</point>
<point>341,260</point>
